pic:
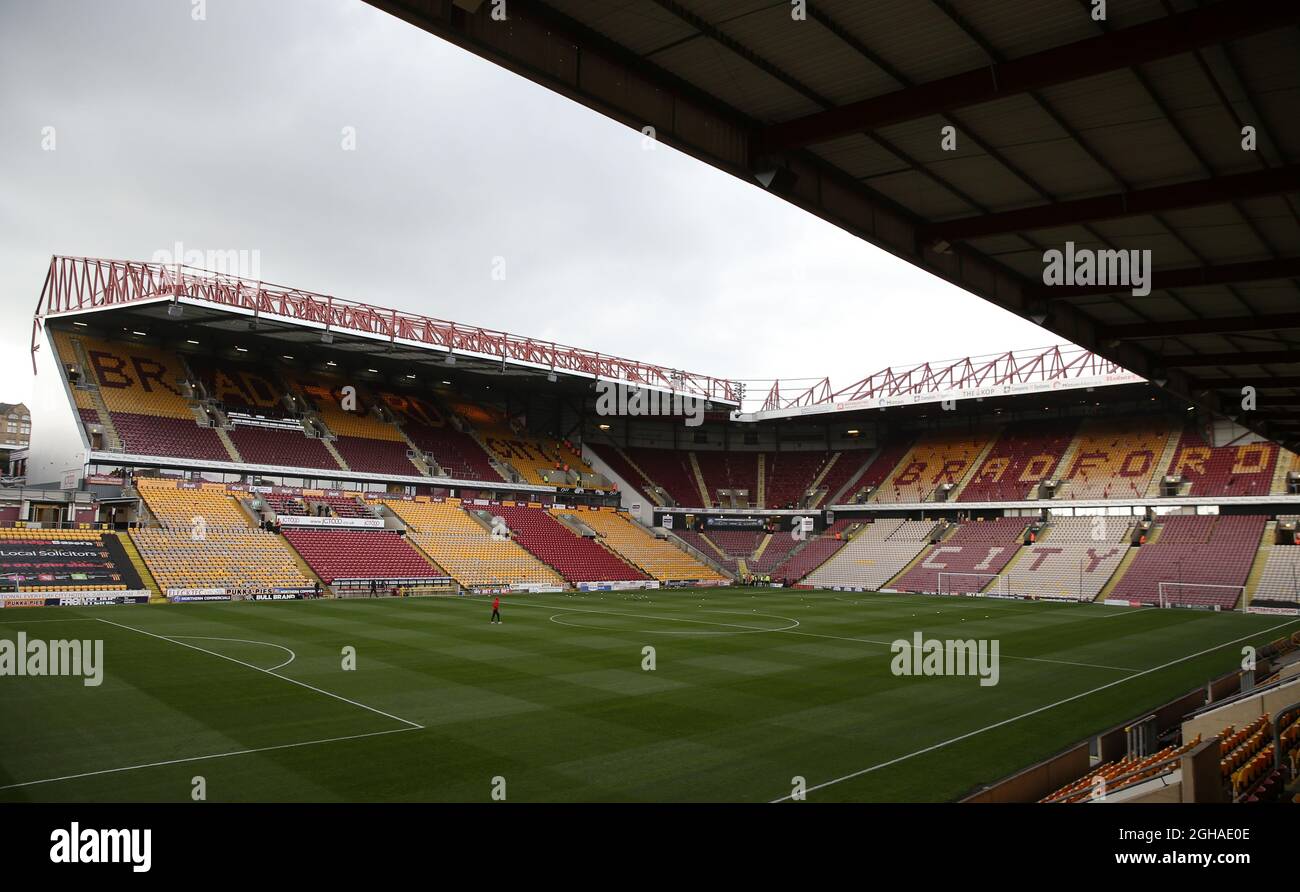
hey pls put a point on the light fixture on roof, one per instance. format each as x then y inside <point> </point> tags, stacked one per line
<point>603,427</point>
<point>242,349</point>
<point>373,371</point>
<point>143,334</point>
<point>411,377</point>
<point>448,383</point>
<point>285,356</point>
<point>451,359</point>
<point>853,433</point>
<point>81,324</point>
<point>190,341</point>
<point>550,376</point>
<point>175,310</point>
<point>327,337</point>
<point>331,362</point>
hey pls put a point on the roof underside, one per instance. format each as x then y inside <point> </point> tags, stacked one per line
<point>1117,134</point>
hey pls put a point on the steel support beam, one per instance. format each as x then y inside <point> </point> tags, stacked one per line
<point>1156,39</point>
<point>1211,360</point>
<point>1265,382</point>
<point>1194,193</point>
<point>1191,277</point>
<point>1140,330</point>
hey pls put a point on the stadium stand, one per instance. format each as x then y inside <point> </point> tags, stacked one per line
<point>772,550</point>
<point>466,549</point>
<point>1122,774</point>
<point>802,561</point>
<point>844,466</point>
<point>875,555</point>
<point>735,472</point>
<point>939,459</point>
<point>967,559</point>
<point>705,545</point>
<point>1279,581</point>
<point>455,452</point>
<point>534,459</point>
<point>64,560</point>
<point>1208,556</point>
<point>1115,458</point>
<point>261,426</point>
<point>284,504</point>
<point>1241,470</point>
<point>141,388</point>
<point>638,546</point>
<point>221,551</point>
<point>577,559</point>
<point>669,469</point>
<point>340,505</point>
<point>1022,457</point>
<point>620,465</point>
<point>280,447</point>
<point>884,460</point>
<point>365,441</point>
<point>1075,559</point>
<point>360,555</point>
<point>788,476</point>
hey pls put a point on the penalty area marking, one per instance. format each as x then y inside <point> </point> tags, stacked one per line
<point>301,684</point>
<point>943,743</point>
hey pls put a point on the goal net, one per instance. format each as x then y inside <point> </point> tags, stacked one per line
<point>969,583</point>
<point>1201,594</point>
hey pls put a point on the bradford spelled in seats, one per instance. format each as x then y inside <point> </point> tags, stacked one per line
<point>1115,459</point>
<point>1023,456</point>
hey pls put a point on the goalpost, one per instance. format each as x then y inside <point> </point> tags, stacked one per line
<point>1172,593</point>
<point>962,583</point>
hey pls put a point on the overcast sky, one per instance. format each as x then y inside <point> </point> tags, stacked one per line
<point>228,134</point>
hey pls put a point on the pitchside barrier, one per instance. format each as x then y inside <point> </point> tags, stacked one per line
<point>91,598</point>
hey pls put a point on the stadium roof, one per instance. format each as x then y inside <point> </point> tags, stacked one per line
<point>1119,134</point>
<point>294,319</point>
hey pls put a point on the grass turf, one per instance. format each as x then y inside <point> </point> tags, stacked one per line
<point>751,688</point>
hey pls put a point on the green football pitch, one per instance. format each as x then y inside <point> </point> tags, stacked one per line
<point>750,688</point>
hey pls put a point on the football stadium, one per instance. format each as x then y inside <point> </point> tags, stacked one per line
<point>331,551</point>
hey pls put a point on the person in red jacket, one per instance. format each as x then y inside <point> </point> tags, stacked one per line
<point>496,610</point>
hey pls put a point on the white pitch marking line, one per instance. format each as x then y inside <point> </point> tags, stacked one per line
<point>261,749</point>
<point>292,656</point>
<point>302,684</point>
<point>1024,715</point>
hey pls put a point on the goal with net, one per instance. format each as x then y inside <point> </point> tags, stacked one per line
<point>969,583</point>
<point>1201,594</point>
